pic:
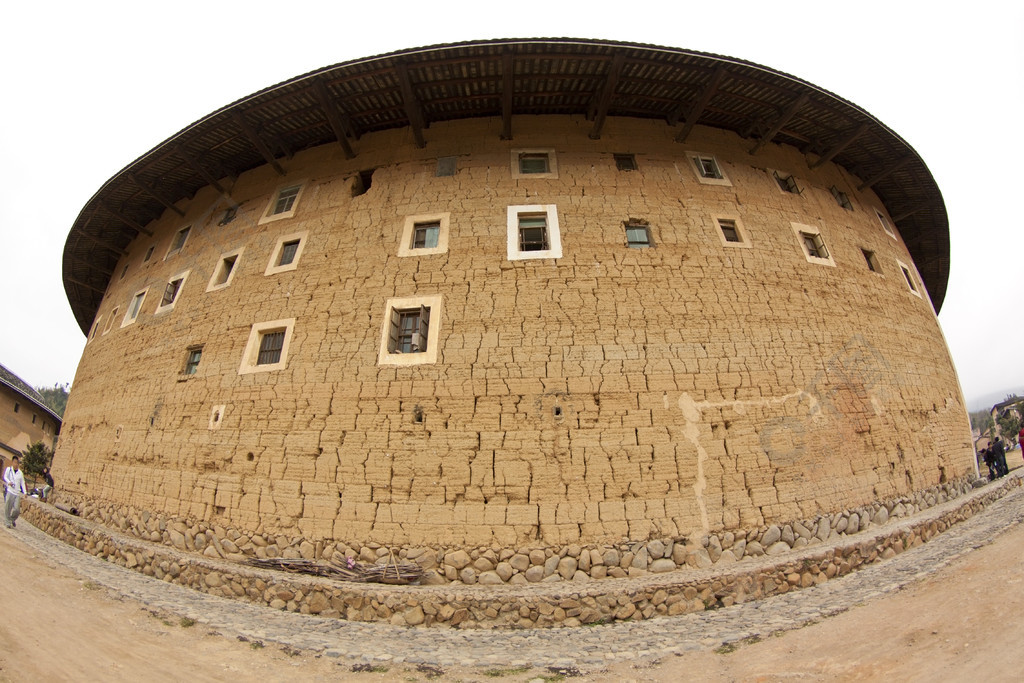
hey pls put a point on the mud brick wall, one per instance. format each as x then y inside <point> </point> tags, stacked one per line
<point>606,395</point>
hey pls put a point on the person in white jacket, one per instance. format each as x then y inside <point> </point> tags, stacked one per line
<point>14,483</point>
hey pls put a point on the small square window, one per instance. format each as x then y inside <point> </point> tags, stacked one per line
<point>192,358</point>
<point>729,231</point>
<point>911,282</point>
<point>424,235</point>
<point>534,163</point>
<point>885,224</point>
<point>707,168</point>
<point>134,306</point>
<point>149,253</point>
<point>813,244</point>
<point>225,270</point>
<point>179,241</point>
<point>872,261</point>
<point>283,203</point>
<point>171,292</point>
<point>110,320</point>
<point>841,198</point>
<point>625,162</point>
<point>533,232</point>
<point>267,348</point>
<point>17,406</point>
<point>124,271</point>
<point>638,235</point>
<point>410,334</point>
<point>786,183</point>
<point>446,166</point>
<point>229,215</point>
<point>287,253</point>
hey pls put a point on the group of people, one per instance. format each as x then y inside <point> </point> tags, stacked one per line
<point>995,458</point>
<point>14,489</point>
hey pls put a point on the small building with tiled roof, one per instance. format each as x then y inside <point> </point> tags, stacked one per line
<point>24,417</point>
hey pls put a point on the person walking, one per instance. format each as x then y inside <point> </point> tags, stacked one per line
<point>999,453</point>
<point>14,483</point>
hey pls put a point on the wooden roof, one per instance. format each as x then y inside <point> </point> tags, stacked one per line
<point>503,78</point>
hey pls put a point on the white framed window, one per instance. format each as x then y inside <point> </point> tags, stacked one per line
<point>267,347</point>
<point>410,330</point>
<point>908,275</point>
<point>110,320</point>
<point>424,235</point>
<point>638,234</point>
<point>95,328</point>
<point>178,241</point>
<point>533,232</point>
<point>707,169</point>
<point>731,232</point>
<point>134,306</point>
<point>224,272</point>
<point>885,224</point>
<point>785,181</point>
<point>172,290</point>
<point>872,261</point>
<point>534,163</point>
<point>842,199</point>
<point>283,203</point>
<point>286,253</point>
<point>813,244</point>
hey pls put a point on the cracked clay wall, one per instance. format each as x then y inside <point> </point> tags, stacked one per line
<point>612,393</point>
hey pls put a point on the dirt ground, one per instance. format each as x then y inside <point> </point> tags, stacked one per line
<point>958,624</point>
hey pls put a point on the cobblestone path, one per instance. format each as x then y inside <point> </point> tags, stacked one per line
<point>583,648</point>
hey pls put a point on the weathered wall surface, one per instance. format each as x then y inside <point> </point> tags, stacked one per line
<point>698,386</point>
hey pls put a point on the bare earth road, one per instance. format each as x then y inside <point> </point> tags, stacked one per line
<point>958,623</point>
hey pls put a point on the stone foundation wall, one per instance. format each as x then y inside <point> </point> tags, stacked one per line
<point>537,606</point>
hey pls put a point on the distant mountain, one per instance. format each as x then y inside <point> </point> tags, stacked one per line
<point>989,400</point>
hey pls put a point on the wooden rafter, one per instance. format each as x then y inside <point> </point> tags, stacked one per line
<point>412,105</point>
<point>783,119</point>
<point>607,92</point>
<point>840,146</point>
<point>886,173</point>
<point>261,147</point>
<point>198,168</point>
<point>79,283</point>
<point>698,107</point>
<point>333,119</point>
<point>102,245</point>
<point>134,225</point>
<point>507,84</point>
<point>908,212</point>
<point>152,192</point>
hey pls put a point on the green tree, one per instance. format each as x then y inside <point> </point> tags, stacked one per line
<point>55,397</point>
<point>982,421</point>
<point>35,458</point>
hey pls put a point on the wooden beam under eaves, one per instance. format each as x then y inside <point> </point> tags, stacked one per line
<point>253,138</point>
<point>197,167</point>
<point>412,105</point>
<point>127,221</point>
<point>907,213</point>
<point>79,283</point>
<point>333,119</point>
<point>607,92</point>
<point>790,112</point>
<point>101,245</point>
<point>152,192</point>
<point>702,102</point>
<point>507,85</point>
<point>840,146</point>
<point>885,173</point>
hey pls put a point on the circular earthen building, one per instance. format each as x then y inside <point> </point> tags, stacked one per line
<point>508,294</point>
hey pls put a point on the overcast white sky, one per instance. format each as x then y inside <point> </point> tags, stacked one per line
<point>91,86</point>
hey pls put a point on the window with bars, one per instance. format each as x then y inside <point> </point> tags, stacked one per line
<point>638,235</point>
<point>192,358</point>
<point>425,235</point>
<point>533,232</point>
<point>841,198</point>
<point>625,162</point>
<point>288,250</point>
<point>787,183</point>
<point>271,343</point>
<point>814,245</point>
<point>729,230</point>
<point>410,329</point>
